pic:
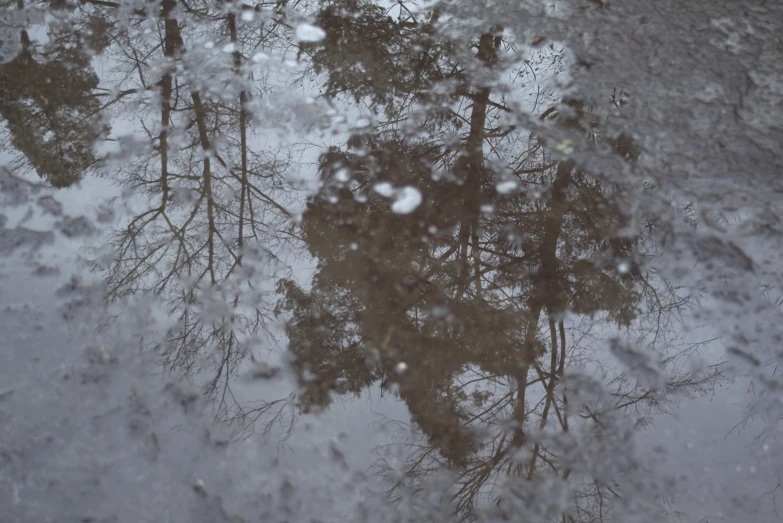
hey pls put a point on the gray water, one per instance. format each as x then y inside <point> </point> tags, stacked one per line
<point>372,261</point>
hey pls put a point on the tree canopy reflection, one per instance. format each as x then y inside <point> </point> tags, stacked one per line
<point>476,306</point>
<point>50,101</point>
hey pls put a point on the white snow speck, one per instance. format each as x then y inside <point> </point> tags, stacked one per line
<point>401,367</point>
<point>506,187</point>
<point>623,267</point>
<point>408,199</point>
<point>363,122</point>
<point>209,45</point>
<point>343,175</point>
<point>260,56</point>
<point>309,33</point>
<point>229,48</point>
<point>247,16</point>
<point>384,189</point>
<point>565,147</point>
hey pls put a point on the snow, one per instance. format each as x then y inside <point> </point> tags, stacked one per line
<point>408,199</point>
<point>384,189</point>
<point>309,33</point>
<point>506,187</point>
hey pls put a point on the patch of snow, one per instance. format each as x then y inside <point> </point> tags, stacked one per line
<point>384,189</point>
<point>408,199</point>
<point>309,33</point>
<point>506,187</point>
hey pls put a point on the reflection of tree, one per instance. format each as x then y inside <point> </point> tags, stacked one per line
<point>213,201</point>
<point>459,306</point>
<point>49,98</point>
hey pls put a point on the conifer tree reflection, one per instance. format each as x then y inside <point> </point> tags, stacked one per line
<point>49,97</point>
<point>458,307</point>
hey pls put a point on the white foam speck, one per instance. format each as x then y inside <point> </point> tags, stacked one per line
<point>384,189</point>
<point>408,198</point>
<point>309,33</point>
<point>506,187</point>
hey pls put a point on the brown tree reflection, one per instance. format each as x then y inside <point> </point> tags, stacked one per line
<point>49,96</point>
<point>517,268</point>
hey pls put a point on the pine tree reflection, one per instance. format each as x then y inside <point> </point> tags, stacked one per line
<point>460,307</point>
